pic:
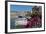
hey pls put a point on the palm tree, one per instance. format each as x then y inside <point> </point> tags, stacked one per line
<point>36,11</point>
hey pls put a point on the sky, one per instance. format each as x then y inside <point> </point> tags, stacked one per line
<point>20,8</point>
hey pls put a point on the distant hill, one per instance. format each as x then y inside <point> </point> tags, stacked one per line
<point>21,11</point>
